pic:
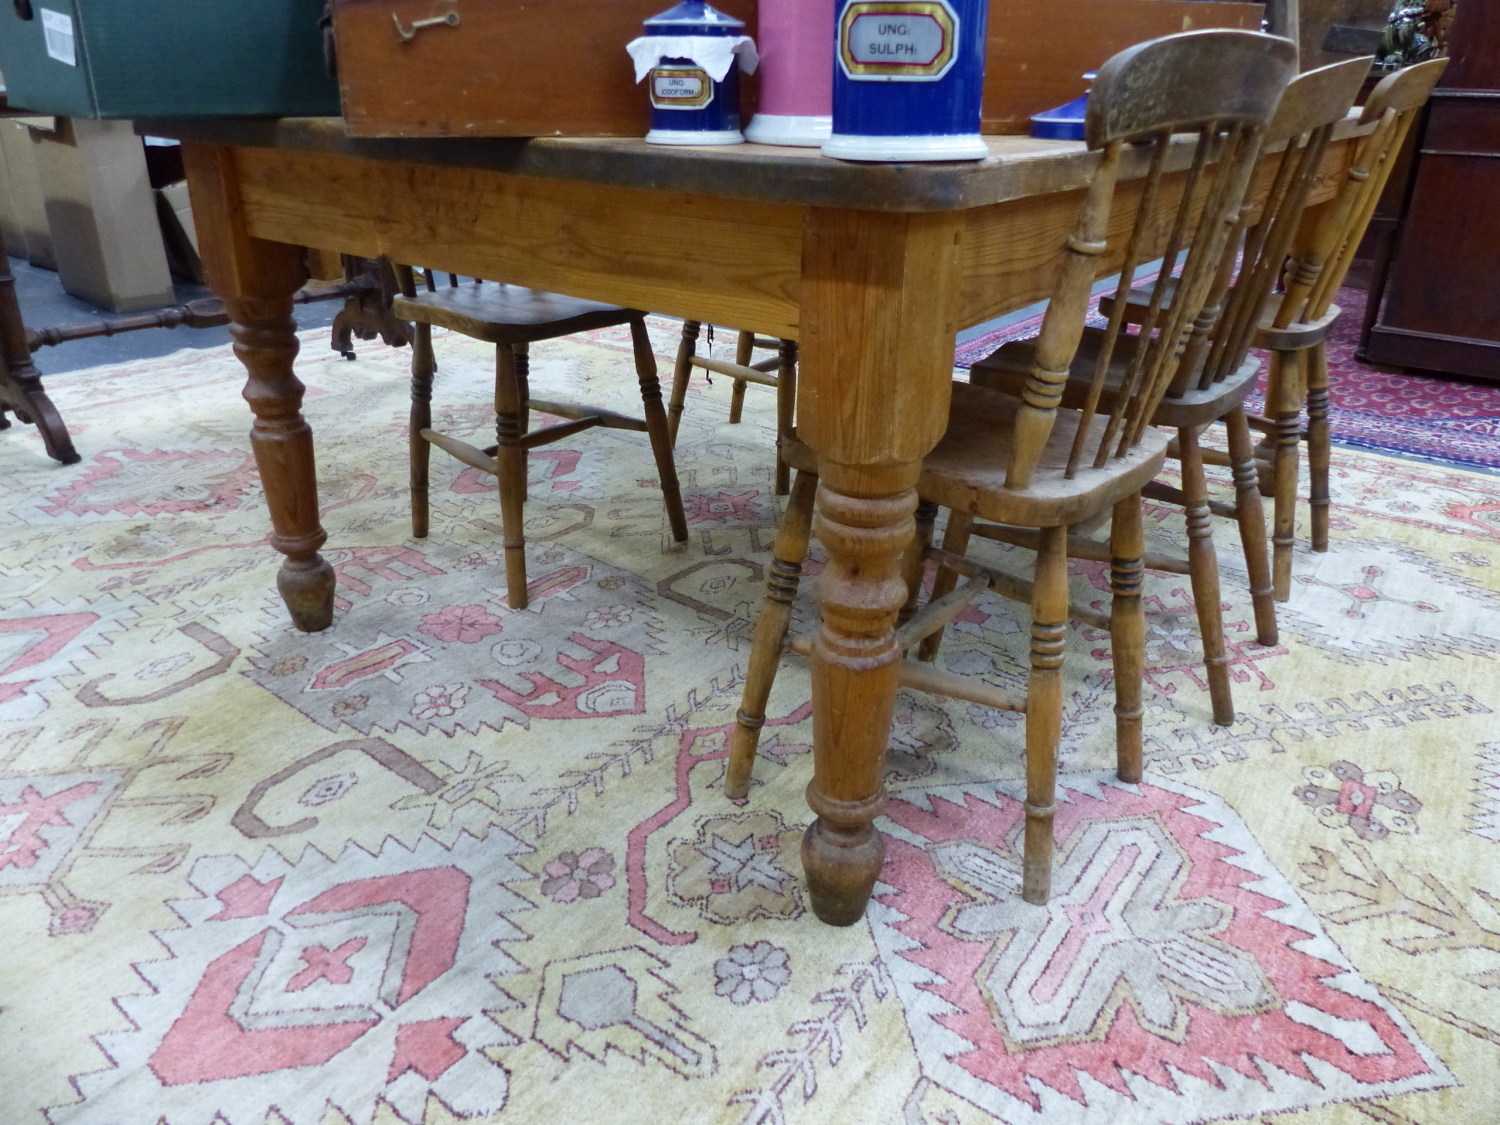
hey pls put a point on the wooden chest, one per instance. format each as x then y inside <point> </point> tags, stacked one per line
<point>144,58</point>
<point>504,68</point>
<point>1040,49</point>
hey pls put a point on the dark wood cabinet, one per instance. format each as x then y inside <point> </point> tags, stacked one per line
<point>1441,309</point>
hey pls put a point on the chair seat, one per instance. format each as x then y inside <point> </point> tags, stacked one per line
<point>967,469</point>
<point>509,314</point>
<point>1007,368</point>
<point>1294,337</point>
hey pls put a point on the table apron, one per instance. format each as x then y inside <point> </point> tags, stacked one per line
<point>706,258</point>
<point>1013,251</point>
<point>722,261</point>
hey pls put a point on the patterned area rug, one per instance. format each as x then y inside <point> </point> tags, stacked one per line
<point>1451,421</point>
<point>446,861</point>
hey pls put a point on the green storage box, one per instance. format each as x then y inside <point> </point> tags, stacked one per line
<point>146,58</point>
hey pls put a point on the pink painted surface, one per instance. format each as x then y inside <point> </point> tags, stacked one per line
<point>796,53</point>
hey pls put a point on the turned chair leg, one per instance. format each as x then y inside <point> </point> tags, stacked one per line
<point>1203,570</point>
<point>786,410</point>
<point>1127,630</point>
<point>422,371</point>
<point>1049,623</point>
<point>1287,412</point>
<point>914,562</point>
<point>1318,444</point>
<point>1265,447</point>
<point>657,428</point>
<point>510,461</point>
<point>1250,511</point>
<point>955,540</point>
<point>744,353</point>
<point>682,371</point>
<point>770,632</point>
<point>522,354</point>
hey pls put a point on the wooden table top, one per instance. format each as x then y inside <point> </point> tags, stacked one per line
<point>1017,167</point>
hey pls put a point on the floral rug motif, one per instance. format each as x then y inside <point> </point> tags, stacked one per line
<point>446,861</point>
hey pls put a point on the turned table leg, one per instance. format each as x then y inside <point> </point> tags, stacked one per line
<point>265,340</point>
<point>879,294</point>
<point>864,521</point>
<point>256,280</point>
<point>20,382</point>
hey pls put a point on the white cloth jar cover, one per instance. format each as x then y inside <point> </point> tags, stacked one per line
<point>714,53</point>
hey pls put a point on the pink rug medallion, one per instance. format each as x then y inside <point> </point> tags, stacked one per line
<point>1175,972</point>
<point>326,966</point>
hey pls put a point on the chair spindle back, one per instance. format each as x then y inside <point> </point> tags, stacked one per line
<point>1222,85</point>
<point>1313,105</point>
<point>1319,270</point>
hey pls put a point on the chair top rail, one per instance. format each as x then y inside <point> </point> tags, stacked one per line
<point>1178,82</point>
<point>1405,90</point>
<point>1318,97</point>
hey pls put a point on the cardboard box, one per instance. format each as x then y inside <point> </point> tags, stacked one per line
<point>178,234</point>
<point>102,215</point>
<point>11,231</point>
<point>145,58</point>
<point>28,208</point>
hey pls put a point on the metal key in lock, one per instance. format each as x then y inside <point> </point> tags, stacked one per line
<point>407,34</point>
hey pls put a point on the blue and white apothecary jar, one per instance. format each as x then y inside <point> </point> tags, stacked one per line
<point>908,80</point>
<point>690,58</point>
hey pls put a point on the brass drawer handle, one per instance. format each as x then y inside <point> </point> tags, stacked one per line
<point>407,34</point>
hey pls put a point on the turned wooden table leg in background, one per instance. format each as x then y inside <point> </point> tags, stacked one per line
<point>879,298</point>
<point>256,280</point>
<point>21,390</point>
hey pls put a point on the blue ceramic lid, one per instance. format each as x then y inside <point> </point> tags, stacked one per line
<point>694,17</point>
<point>1065,123</point>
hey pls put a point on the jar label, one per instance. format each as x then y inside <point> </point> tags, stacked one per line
<point>898,40</point>
<point>681,87</point>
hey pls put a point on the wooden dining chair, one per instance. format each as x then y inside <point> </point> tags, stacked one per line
<point>513,318</point>
<point>779,371</point>
<point>1216,375</point>
<point>1295,325</point>
<point>1030,461</point>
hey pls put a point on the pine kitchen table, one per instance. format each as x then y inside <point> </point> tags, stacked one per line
<point>872,268</point>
